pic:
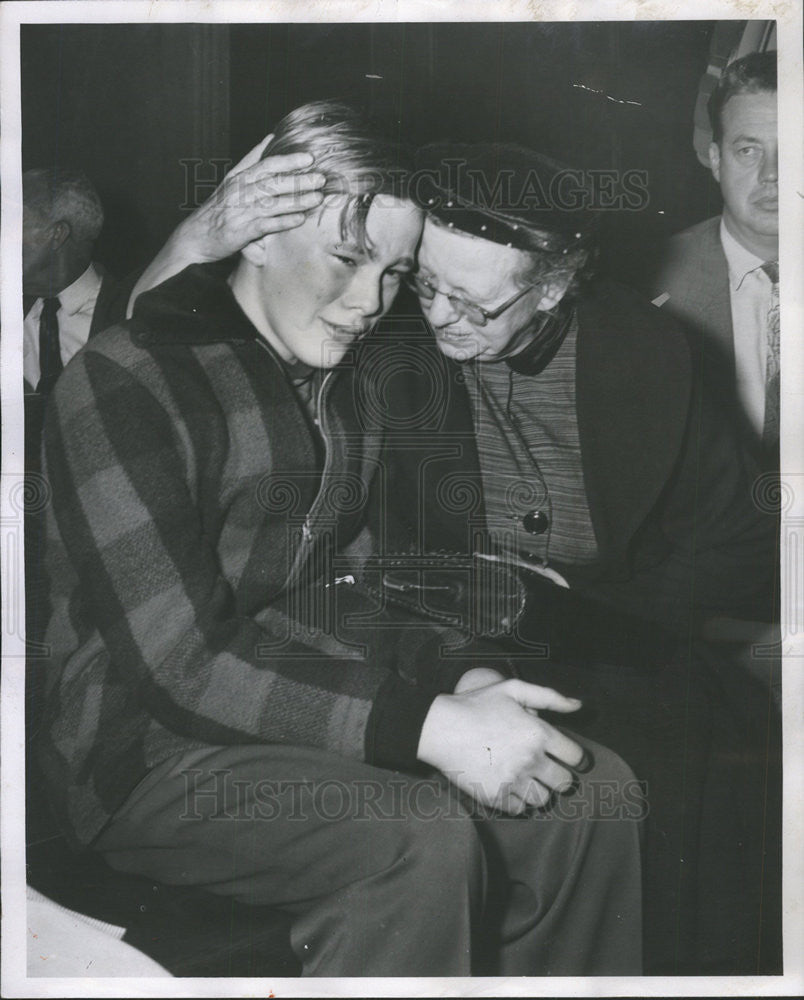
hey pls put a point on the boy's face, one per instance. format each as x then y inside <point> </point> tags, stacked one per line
<point>319,291</point>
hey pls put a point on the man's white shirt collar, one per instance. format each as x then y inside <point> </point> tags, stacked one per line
<point>741,261</point>
<point>82,293</point>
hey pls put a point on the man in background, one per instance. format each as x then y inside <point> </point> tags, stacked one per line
<point>721,277</point>
<point>67,297</point>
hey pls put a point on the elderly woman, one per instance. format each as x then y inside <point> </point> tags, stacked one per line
<point>631,488</point>
<point>215,717</point>
<point>571,440</point>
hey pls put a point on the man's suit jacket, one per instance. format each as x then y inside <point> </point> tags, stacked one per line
<point>693,273</point>
<point>692,270</point>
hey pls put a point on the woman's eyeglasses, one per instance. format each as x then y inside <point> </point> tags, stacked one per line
<point>474,313</point>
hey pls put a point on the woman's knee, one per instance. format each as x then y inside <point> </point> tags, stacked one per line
<point>609,788</point>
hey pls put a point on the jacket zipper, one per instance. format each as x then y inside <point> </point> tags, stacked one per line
<point>308,535</point>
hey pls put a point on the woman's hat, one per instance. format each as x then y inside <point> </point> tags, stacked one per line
<point>505,193</point>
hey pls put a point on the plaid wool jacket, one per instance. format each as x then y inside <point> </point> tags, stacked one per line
<point>188,507</point>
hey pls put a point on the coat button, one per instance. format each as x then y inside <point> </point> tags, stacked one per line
<point>535,522</point>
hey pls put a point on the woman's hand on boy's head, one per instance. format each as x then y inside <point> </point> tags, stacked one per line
<point>257,197</point>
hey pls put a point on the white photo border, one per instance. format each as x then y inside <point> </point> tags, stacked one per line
<point>788,15</point>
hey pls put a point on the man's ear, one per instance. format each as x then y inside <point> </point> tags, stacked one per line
<point>256,252</point>
<point>714,160</point>
<point>59,234</point>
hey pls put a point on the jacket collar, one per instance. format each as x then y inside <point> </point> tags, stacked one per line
<point>195,306</point>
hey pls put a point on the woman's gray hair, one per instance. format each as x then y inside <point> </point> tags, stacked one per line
<point>542,268</point>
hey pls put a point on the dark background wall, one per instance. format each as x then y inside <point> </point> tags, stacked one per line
<point>144,109</point>
<point>126,103</point>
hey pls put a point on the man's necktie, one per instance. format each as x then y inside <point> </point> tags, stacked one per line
<point>50,365</point>
<point>770,431</point>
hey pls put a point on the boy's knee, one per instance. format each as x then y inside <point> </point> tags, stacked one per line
<point>441,852</point>
<point>443,834</point>
<point>427,835</point>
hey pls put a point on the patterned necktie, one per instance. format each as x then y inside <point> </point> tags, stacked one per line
<point>770,430</point>
<point>50,364</point>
